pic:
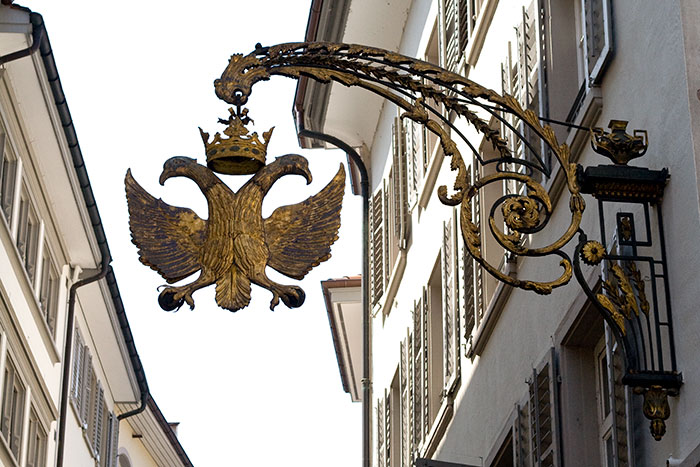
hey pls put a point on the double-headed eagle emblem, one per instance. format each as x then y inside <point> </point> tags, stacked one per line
<point>234,246</point>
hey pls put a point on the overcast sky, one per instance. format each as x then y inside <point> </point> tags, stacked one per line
<point>249,388</point>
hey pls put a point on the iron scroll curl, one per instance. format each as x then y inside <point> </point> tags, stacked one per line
<point>427,94</point>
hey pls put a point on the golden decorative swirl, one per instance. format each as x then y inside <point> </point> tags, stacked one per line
<point>394,76</point>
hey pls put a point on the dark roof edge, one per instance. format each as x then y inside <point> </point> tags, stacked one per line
<point>168,430</point>
<point>89,198</point>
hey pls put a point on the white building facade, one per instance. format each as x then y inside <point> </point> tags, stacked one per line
<point>73,389</point>
<point>468,370</point>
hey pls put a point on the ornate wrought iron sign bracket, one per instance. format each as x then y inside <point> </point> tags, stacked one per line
<point>633,295</point>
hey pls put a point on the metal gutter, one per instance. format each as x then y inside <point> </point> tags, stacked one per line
<point>169,433</point>
<point>42,44</point>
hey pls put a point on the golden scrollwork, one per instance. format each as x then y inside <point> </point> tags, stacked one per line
<point>411,84</point>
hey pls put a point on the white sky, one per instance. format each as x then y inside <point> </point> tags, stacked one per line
<point>249,388</point>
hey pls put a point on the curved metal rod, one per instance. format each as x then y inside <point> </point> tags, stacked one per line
<point>398,78</point>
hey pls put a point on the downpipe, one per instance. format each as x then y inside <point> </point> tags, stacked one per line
<point>68,347</point>
<point>366,340</point>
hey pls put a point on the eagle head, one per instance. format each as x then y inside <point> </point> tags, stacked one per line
<point>177,167</point>
<point>293,164</point>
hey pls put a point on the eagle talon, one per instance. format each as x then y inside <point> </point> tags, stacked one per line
<point>168,302</point>
<point>275,301</point>
<point>295,298</point>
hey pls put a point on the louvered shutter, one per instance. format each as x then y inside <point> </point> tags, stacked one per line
<point>616,371</point>
<point>114,441</point>
<point>78,353</point>
<point>385,250</point>
<point>463,25</point>
<point>543,414</point>
<point>98,419</point>
<point>381,454</point>
<point>521,435</point>
<point>417,390</point>
<point>87,388</point>
<point>7,399</point>
<point>387,428</point>
<point>22,227</point>
<point>452,45</point>
<point>17,416</point>
<point>425,344</point>
<point>377,246</point>
<point>405,382</point>
<point>412,141</point>
<point>449,306</point>
<point>31,442</point>
<point>400,181</point>
<point>598,38</point>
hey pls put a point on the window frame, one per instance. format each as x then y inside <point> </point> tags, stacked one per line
<point>15,422</point>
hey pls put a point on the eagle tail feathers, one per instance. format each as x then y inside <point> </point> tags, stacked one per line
<point>233,290</point>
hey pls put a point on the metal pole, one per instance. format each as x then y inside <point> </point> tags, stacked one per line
<point>366,342</point>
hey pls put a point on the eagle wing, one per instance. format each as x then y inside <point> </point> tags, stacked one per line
<point>169,238</point>
<point>300,236</point>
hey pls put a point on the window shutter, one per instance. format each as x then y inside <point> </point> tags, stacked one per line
<point>400,170</point>
<point>98,418</point>
<point>387,428</point>
<point>31,442</point>
<point>425,344</point>
<point>417,392</point>
<point>113,441</point>
<point>598,38</point>
<point>413,161</point>
<point>463,25</point>
<point>7,180</point>
<point>17,416</point>
<point>450,316</point>
<point>543,414</point>
<point>616,370</point>
<point>380,433</point>
<point>377,246</point>
<point>78,355</point>
<point>22,227</point>
<point>7,399</point>
<point>405,381</point>
<point>521,435</point>
<point>452,44</point>
<point>385,251</point>
<point>87,390</point>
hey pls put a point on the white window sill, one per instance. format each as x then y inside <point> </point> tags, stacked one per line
<point>438,428</point>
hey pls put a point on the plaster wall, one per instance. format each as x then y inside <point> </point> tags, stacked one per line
<point>652,81</point>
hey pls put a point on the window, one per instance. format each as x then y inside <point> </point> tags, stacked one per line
<point>593,46</point>
<point>100,426</point>
<point>110,444</point>
<point>12,408</point>
<point>7,180</point>
<point>504,456</point>
<point>523,76</point>
<point>27,234</point>
<point>389,221</point>
<point>48,291</point>
<point>36,445</point>
<point>595,416</point>
<point>459,19</point>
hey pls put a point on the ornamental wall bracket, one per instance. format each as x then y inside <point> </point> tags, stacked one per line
<point>633,297</point>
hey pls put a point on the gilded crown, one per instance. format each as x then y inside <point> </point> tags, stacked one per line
<point>242,152</point>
